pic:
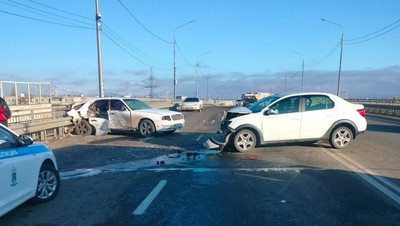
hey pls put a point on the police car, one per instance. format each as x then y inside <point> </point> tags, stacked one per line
<point>28,171</point>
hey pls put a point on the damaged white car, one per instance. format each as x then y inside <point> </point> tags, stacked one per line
<point>102,115</point>
<point>292,117</point>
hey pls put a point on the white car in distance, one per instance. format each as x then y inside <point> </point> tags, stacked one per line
<point>192,104</point>
<point>292,117</point>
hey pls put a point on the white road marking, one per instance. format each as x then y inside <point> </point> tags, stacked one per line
<point>373,173</point>
<point>198,138</point>
<point>149,199</point>
<point>367,176</point>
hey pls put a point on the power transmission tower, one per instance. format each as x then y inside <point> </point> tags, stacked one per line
<point>152,86</point>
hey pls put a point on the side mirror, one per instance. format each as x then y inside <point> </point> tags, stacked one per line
<point>26,140</point>
<point>123,108</point>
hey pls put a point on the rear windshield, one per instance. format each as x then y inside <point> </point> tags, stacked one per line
<point>191,99</point>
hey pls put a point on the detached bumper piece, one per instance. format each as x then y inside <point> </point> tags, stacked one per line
<point>212,144</point>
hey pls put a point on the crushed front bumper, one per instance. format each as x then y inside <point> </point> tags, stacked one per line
<point>213,144</point>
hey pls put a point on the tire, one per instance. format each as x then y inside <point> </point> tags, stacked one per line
<point>83,128</point>
<point>244,140</point>
<point>146,128</point>
<point>341,137</point>
<point>48,184</point>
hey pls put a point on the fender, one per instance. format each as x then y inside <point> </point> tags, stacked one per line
<point>353,128</point>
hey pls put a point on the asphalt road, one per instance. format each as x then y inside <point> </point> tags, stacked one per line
<point>172,180</point>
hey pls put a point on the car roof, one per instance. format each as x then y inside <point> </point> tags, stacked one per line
<point>284,94</point>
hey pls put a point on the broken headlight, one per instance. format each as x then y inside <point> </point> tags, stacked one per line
<point>167,118</point>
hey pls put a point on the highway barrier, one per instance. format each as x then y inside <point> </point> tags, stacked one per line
<point>382,107</point>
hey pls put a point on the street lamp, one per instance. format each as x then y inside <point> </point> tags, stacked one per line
<point>302,65</point>
<point>175,54</point>
<point>197,66</point>
<point>341,52</point>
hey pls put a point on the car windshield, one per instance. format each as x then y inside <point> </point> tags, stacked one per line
<point>191,99</point>
<point>136,104</point>
<point>261,104</point>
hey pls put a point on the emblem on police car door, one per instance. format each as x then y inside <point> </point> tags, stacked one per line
<point>13,177</point>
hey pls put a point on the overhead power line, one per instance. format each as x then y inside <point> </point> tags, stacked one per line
<point>354,39</point>
<point>365,37</point>
<point>184,56</point>
<point>326,56</point>
<point>50,7</point>
<point>141,24</point>
<point>46,13</point>
<point>127,52</point>
<point>133,48</point>
<point>46,21</point>
<point>352,43</point>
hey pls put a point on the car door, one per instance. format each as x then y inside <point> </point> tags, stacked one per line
<point>18,180</point>
<point>282,120</point>
<point>98,116</point>
<point>119,115</point>
<point>318,116</point>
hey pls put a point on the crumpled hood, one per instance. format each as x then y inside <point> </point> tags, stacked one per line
<point>240,110</point>
<point>237,111</point>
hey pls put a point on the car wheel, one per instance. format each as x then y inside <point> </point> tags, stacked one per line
<point>48,184</point>
<point>341,137</point>
<point>244,140</point>
<point>83,128</point>
<point>146,128</point>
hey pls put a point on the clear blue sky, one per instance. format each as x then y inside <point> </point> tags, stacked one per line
<point>250,45</point>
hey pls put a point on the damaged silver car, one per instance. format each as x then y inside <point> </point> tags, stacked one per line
<point>102,115</point>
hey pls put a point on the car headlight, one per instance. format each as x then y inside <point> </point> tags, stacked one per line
<point>167,118</point>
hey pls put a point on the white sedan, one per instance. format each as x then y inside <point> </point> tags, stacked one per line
<point>192,103</point>
<point>292,117</point>
<point>102,115</point>
<point>28,171</point>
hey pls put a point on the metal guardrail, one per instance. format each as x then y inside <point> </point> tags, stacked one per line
<point>382,107</point>
<point>390,110</point>
<point>43,129</point>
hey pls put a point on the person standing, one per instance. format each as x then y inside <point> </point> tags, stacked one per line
<point>5,112</point>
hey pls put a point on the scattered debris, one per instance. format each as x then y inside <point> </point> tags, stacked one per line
<point>254,157</point>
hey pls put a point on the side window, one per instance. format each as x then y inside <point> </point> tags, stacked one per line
<point>116,105</point>
<point>288,105</point>
<point>99,109</point>
<point>314,103</point>
<point>6,140</point>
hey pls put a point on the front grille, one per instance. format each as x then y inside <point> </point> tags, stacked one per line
<point>177,117</point>
<point>231,115</point>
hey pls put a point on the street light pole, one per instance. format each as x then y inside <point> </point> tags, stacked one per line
<point>302,71</point>
<point>175,55</point>
<point>99,64</point>
<point>341,52</point>
<point>197,66</point>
